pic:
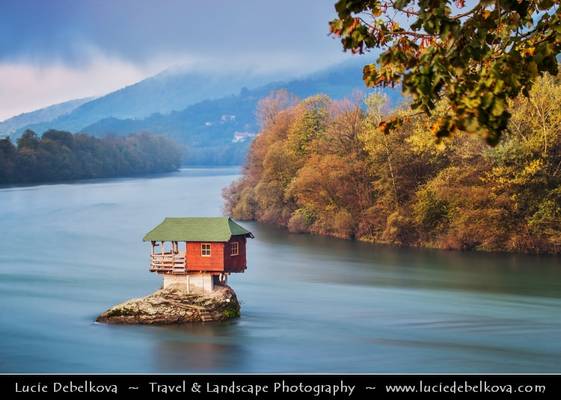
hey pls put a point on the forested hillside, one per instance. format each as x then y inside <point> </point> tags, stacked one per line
<point>208,128</point>
<point>43,115</point>
<point>59,156</point>
<point>173,89</point>
<point>323,166</point>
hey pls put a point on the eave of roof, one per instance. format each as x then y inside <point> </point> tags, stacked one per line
<point>197,229</point>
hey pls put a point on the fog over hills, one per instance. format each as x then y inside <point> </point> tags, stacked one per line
<point>170,90</point>
<point>12,125</point>
<point>219,131</point>
<point>213,116</point>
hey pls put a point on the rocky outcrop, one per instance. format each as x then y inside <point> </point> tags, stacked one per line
<point>175,306</point>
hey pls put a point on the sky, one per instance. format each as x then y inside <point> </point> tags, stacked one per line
<point>57,50</point>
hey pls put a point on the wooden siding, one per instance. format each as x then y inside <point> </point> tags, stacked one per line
<point>220,259</point>
<point>235,263</point>
<point>196,262</point>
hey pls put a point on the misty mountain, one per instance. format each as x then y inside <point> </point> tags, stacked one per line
<point>213,116</point>
<point>47,114</point>
<point>173,89</point>
<point>219,131</point>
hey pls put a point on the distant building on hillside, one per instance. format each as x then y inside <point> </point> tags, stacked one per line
<point>240,137</point>
<point>227,118</point>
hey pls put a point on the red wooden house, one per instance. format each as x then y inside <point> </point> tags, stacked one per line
<point>197,253</point>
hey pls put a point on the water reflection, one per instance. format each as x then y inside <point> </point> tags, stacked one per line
<point>379,265</point>
<point>195,347</point>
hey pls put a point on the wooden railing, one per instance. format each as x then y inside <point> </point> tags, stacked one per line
<point>168,262</point>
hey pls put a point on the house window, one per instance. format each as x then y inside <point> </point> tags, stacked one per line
<point>205,249</point>
<point>235,247</point>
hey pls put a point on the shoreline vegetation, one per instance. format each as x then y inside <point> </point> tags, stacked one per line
<point>59,156</point>
<point>324,167</point>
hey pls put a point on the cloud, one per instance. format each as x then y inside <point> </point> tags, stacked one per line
<point>57,50</point>
<point>26,86</point>
<point>139,30</point>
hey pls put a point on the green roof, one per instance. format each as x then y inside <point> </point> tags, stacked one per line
<point>196,229</point>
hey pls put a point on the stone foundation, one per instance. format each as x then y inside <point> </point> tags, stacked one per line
<point>190,283</point>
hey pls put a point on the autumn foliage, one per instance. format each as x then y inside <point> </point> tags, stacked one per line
<point>323,166</point>
<point>478,54</point>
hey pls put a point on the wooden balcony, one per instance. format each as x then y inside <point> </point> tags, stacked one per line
<point>168,263</point>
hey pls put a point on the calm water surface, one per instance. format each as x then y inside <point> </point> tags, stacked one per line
<point>309,304</point>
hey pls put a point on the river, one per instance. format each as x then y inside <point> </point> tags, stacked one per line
<point>309,304</point>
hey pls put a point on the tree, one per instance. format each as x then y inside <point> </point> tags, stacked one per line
<point>60,137</point>
<point>7,159</point>
<point>269,106</point>
<point>60,155</point>
<point>476,55</point>
<point>309,124</point>
<point>350,181</point>
<point>328,191</point>
<point>28,139</point>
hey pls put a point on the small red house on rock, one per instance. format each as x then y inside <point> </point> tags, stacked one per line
<point>196,253</point>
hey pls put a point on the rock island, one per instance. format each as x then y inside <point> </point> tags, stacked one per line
<point>195,256</point>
